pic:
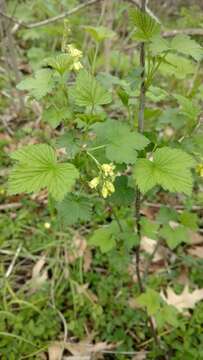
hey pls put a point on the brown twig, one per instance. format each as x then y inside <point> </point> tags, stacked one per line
<point>171,33</point>
<point>19,24</point>
<point>50,20</point>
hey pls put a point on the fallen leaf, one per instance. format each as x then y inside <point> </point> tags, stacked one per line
<point>39,277</point>
<point>196,238</point>
<point>149,246</point>
<point>87,260</point>
<point>141,355</point>
<point>196,251</point>
<point>84,348</point>
<point>55,351</point>
<point>77,357</point>
<point>185,300</point>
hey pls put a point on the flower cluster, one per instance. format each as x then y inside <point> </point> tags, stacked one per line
<point>76,56</point>
<point>199,169</point>
<point>70,49</point>
<point>104,180</point>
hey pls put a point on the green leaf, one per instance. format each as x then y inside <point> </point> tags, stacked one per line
<point>168,314</point>
<point>88,92</point>
<point>189,220</point>
<point>149,228</point>
<point>146,26</point>
<point>38,169</point>
<point>103,238</point>
<point>187,46</point>
<point>159,45</point>
<point>121,143</point>
<point>70,143</point>
<point>170,169</point>
<point>175,236</point>
<point>188,108</point>
<point>177,66</point>
<point>39,85</point>
<point>61,63</point>
<point>151,300</point>
<point>74,209</point>
<point>99,33</point>
<point>166,214</point>
<point>54,115</point>
<point>124,195</point>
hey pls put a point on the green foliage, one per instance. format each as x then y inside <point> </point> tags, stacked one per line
<point>146,26</point>
<point>120,142</point>
<point>104,238</point>
<point>88,92</point>
<point>39,85</point>
<point>174,236</point>
<point>169,168</point>
<point>37,168</point>
<point>187,46</point>
<point>74,209</point>
<point>151,300</point>
<point>99,33</point>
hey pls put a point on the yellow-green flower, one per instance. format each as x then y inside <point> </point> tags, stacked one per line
<point>107,189</point>
<point>108,169</point>
<point>94,183</point>
<point>199,169</point>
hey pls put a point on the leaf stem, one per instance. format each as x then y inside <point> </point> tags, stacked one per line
<point>138,194</point>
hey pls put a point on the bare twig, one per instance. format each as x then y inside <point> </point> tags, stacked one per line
<point>177,207</point>
<point>63,15</point>
<point>16,205</point>
<point>171,33</point>
<point>12,264</point>
<point>50,20</point>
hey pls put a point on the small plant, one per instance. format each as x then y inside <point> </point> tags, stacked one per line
<point>118,162</point>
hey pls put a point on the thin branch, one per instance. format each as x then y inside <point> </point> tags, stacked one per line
<point>63,15</point>
<point>16,205</point>
<point>171,33</point>
<point>177,207</point>
<point>50,20</point>
<point>12,264</point>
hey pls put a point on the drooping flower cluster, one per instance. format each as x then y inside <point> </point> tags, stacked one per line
<point>70,49</point>
<point>104,180</point>
<point>199,169</point>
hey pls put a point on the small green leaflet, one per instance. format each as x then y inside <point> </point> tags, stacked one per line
<point>187,46</point>
<point>74,209</point>
<point>54,115</point>
<point>177,65</point>
<point>151,300</point>
<point>37,169</point>
<point>121,143</point>
<point>99,33</point>
<point>175,236</point>
<point>103,238</point>
<point>88,92</point>
<point>69,141</point>
<point>170,168</point>
<point>124,195</point>
<point>61,63</point>
<point>146,26</point>
<point>39,85</point>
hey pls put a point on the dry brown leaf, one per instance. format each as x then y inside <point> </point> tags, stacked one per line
<point>87,260</point>
<point>141,355</point>
<point>196,238</point>
<point>185,300</point>
<point>196,251</point>
<point>39,276</point>
<point>77,357</point>
<point>55,351</point>
<point>79,246</point>
<point>84,348</point>
<point>149,246</point>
